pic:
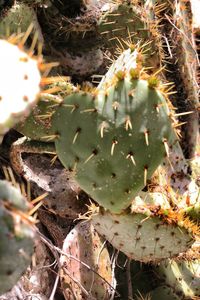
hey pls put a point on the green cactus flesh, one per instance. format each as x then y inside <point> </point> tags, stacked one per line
<point>17,20</point>
<point>165,293</point>
<point>16,240</point>
<point>37,125</point>
<point>182,276</point>
<point>125,23</point>
<point>114,141</point>
<point>193,212</point>
<point>82,247</point>
<point>141,237</point>
<point>125,62</point>
<point>12,196</point>
<point>120,20</point>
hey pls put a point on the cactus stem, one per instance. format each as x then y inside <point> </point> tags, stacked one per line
<point>26,218</point>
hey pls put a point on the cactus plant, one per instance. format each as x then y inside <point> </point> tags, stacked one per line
<point>16,237</point>
<point>38,125</point>
<point>120,139</point>
<point>17,101</point>
<point>182,276</point>
<point>149,238</point>
<point>120,120</point>
<point>17,20</point>
<point>123,22</point>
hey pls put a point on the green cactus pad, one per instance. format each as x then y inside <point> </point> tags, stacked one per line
<point>12,196</point>
<point>83,246</point>
<point>141,237</point>
<point>122,22</point>
<point>125,62</point>
<point>165,293</point>
<point>20,85</point>
<point>115,141</point>
<point>119,20</point>
<point>193,212</point>
<point>182,276</point>
<point>16,239</point>
<point>37,126</point>
<point>17,20</point>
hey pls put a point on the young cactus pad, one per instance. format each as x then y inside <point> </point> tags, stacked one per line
<point>115,140</point>
<point>140,237</point>
<point>119,20</point>
<point>20,84</point>
<point>182,276</point>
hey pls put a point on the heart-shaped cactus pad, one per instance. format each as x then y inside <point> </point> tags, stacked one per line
<point>115,139</point>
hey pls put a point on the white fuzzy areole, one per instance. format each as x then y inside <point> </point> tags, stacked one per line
<point>19,82</point>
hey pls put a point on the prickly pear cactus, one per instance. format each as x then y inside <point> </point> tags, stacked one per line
<point>38,125</point>
<point>16,237</point>
<point>150,239</point>
<point>131,141</point>
<point>129,115</point>
<point>182,276</point>
<point>17,20</point>
<point>119,19</point>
